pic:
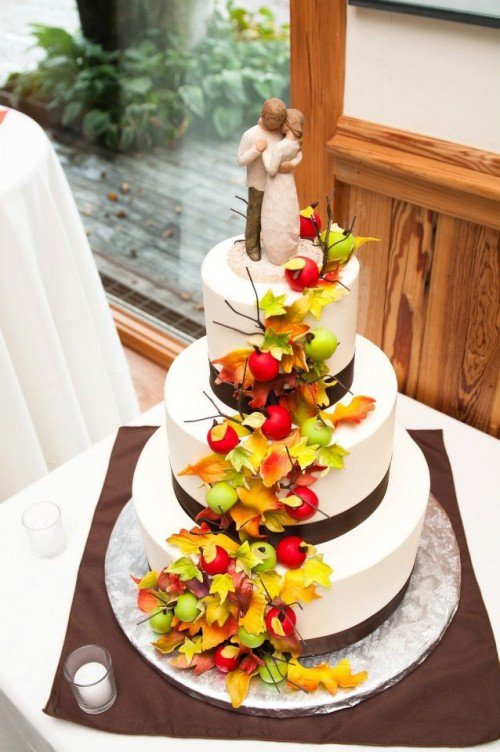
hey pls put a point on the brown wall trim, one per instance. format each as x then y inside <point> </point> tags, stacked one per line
<point>426,146</point>
<point>429,182</point>
<point>144,338</point>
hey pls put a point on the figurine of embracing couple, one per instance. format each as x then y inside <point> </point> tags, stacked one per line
<point>270,151</point>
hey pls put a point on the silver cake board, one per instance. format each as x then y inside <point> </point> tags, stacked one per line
<point>388,654</point>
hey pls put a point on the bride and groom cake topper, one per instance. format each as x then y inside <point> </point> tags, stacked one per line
<point>270,151</point>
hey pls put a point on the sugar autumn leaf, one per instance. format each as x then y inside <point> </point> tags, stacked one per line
<point>261,389</point>
<point>296,360</point>
<point>294,588</point>
<point>210,469</point>
<point>277,521</point>
<point>275,466</point>
<point>213,634</point>
<point>290,644</point>
<point>316,572</point>
<point>149,580</point>
<point>301,403</point>
<point>147,600</point>
<point>221,585</point>
<point>259,497</point>
<point>332,457</point>
<point>185,568</point>
<point>277,343</point>
<point>253,620</point>
<point>217,612</point>
<point>272,305</point>
<point>257,445</point>
<point>189,541</point>
<point>331,677</point>
<point>200,662</point>
<point>233,367</point>
<point>323,296</point>
<point>168,642</point>
<point>354,412</point>
<point>246,519</point>
<point>190,647</point>
<point>237,683</point>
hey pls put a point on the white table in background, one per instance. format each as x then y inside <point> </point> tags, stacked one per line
<point>36,594</point>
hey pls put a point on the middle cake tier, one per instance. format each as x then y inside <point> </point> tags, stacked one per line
<point>347,496</point>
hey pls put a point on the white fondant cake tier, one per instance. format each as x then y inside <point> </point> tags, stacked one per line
<point>221,283</point>
<point>369,443</point>
<point>371,563</point>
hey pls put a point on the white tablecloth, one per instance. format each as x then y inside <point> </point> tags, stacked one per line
<point>39,592</point>
<point>64,380</point>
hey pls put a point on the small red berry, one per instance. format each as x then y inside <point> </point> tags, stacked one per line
<point>285,615</point>
<point>308,276</point>
<point>290,552</point>
<point>219,563</point>
<point>263,366</point>
<point>309,504</point>
<point>224,445</point>
<point>227,657</point>
<point>278,424</point>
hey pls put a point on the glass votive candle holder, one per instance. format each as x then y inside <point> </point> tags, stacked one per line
<point>43,524</point>
<point>89,672</point>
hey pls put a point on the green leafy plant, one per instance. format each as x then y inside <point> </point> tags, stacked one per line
<point>121,98</point>
<point>243,60</point>
<point>148,94</point>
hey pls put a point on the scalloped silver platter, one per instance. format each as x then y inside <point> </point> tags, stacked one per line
<point>389,653</point>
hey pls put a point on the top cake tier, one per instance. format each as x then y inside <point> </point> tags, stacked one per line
<point>224,286</point>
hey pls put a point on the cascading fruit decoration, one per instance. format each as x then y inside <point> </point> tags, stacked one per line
<point>241,622</point>
<point>228,603</point>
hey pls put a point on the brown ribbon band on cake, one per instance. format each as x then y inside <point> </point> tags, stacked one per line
<point>313,532</point>
<point>339,640</point>
<point>225,392</point>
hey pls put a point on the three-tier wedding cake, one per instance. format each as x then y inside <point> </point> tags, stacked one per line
<point>279,443</point>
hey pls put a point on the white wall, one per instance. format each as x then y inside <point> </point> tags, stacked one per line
<point>439,78</point>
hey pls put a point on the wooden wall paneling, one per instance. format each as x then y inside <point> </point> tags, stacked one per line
<point>373,218</point>
<point>432,183</point>
<point>410,258</point>
<point>424,146</point>
<point>460,355</point>
<point>317,71</point>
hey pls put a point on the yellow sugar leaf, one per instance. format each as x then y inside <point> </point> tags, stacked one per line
<point>253,620</point>
<point>276,522</point>
<point>259,497</point>
<point>317,572</point>
<point>331,677</point>
<point>257,445</point>
<point>237,683</point>
<point>271,582</point>
<point>149,580</point>
<point>217,611</point>
<point>295,589</point>
<point>211,469</point>
<point>359,241</point>
<point>221,585</point>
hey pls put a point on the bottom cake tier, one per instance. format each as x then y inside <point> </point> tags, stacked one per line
<point>372,563</point>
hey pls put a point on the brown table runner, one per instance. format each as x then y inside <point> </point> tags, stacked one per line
<point>452,699</point>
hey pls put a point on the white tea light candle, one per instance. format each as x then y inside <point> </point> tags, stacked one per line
<point>93,685</point>
<point>89,672</point>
